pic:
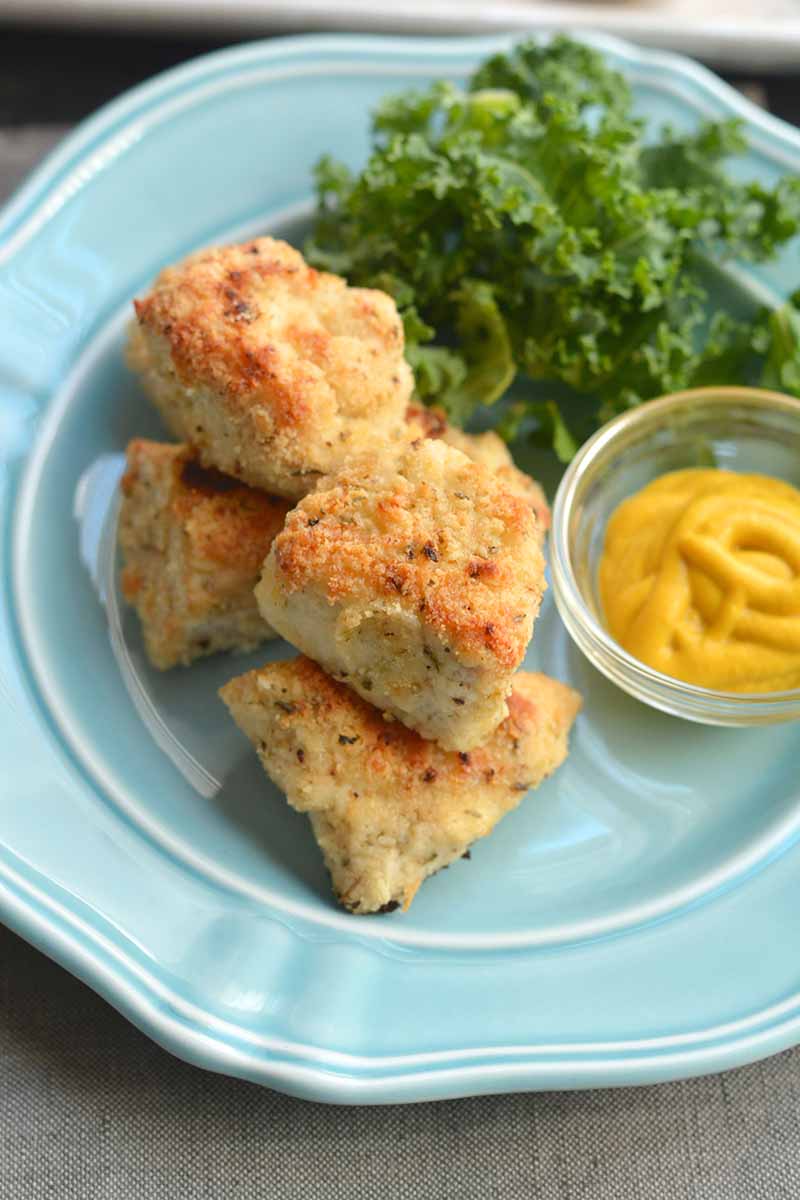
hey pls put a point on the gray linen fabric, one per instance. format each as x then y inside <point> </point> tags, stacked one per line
<point>90,1109</point>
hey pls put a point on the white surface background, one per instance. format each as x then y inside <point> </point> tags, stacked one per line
<point>738,33</point>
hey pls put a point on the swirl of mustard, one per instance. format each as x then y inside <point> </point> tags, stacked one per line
<point>700,579</point>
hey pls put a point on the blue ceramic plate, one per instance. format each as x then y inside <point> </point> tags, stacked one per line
<point>634,920</point>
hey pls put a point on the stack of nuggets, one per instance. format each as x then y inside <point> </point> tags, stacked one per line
<point>270,372</point>
<point>410,576</point>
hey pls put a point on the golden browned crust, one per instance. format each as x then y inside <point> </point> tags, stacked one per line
<point>193,541</point>
<point>488,449</point>
<point>387,807</point>
<point>273,371</point>
<point>432,532</point>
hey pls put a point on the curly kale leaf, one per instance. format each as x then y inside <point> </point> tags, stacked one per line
<point>526,226</point>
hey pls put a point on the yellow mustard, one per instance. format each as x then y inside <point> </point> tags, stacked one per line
<point>700,579</point>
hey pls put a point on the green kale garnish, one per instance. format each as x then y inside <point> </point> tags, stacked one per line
<point>527,226</point>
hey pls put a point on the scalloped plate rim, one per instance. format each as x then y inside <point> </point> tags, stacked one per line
<point>178,1026</point>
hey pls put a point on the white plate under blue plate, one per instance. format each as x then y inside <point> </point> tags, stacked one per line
<point>635,919</point>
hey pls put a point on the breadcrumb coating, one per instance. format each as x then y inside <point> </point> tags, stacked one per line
<point>486,448</point>
<point>415,577</point>
<point>387,808</point>
<point>193,542</point>
<point>274,372</point>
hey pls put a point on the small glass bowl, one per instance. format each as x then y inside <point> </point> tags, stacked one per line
<point>739,429</point>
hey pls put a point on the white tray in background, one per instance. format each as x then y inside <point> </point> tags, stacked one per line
<point>741,34</point>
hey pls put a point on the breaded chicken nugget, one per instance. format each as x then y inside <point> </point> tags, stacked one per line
<point>193,542</point>
<point>416,578</point>
<point>486,448</point>
<point>272,371</point>
<point>388,808</point>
